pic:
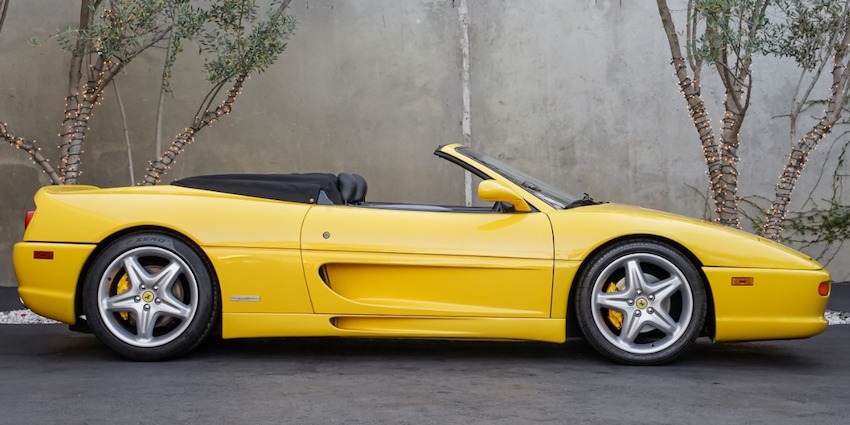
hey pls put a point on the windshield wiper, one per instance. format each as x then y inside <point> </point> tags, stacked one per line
<point>584,201</point>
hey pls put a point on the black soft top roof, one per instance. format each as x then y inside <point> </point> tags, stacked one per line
<point>297,187</point>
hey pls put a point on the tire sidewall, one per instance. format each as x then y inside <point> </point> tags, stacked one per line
<point>204,317</point>
<point>585,293</point>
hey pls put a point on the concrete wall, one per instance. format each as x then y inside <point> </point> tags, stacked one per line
<point>579,93</point>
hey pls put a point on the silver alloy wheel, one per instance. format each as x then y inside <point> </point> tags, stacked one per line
<point>644,300</point>
<point>159,302</point>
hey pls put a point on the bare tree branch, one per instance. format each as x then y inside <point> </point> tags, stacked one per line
<point>160,167</point>
<point>126,131</point>
<point>694,60</point>
<point>4,7</point>
<point>30,148</point>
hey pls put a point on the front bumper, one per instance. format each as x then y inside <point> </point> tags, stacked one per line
<point>780,304</point>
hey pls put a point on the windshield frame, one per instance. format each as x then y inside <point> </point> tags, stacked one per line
<point>550,195</point>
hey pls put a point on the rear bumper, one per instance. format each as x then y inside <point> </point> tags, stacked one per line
<point>780,304</point>
<point>48,286</point>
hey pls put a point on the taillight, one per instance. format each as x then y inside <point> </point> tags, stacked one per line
<point>28,219</point>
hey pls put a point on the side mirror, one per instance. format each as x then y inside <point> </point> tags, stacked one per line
<point>493,191</point>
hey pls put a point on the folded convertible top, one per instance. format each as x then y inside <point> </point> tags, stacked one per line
<point>297,187</point>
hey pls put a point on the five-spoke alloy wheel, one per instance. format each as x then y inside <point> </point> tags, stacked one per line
<point>641,302</point>
<point>150,296</point>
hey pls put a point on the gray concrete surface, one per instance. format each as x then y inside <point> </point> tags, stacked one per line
<point>51,375</point>
<point>579,93</point>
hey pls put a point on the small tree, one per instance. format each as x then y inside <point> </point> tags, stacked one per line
<point>109,36</point>
<point>111,33</point>
<point>724,34</point>
<point>816,34</point>
<point>728,34</point>
<point>236,46</point>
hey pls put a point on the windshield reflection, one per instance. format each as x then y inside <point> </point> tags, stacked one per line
<point>547,193</point>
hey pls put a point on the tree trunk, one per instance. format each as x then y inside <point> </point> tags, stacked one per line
<point>690,89</point>
<point>72,99</point>
<point>796,161</point>
<point>90,96</point>
<point>72,170</point>
<point>729,139</point>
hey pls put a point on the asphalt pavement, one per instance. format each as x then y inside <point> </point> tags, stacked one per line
<point>839,299</point>
<point>49,374</point>
<point>9,299</point>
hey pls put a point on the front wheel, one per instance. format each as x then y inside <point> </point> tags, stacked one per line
<point>641,302</point>
<point>150,296</point>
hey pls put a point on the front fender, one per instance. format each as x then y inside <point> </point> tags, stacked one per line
<point>579,231</point>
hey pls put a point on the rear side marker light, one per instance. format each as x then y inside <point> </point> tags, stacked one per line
<point>28,219</point>
<point>823,289</point>
<point>42,255</point>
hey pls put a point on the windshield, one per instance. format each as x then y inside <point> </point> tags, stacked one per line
<point>542,190</point>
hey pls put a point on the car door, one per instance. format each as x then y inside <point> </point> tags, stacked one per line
<point>376,261</point>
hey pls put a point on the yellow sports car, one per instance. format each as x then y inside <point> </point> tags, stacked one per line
<point>152,271</point>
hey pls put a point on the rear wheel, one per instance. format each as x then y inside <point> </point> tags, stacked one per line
<point>641,302</point>
<point>150,296</point>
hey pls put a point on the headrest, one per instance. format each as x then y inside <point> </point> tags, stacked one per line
<point>360,193</point>
<point>352,188</point>
<point>347,185</point>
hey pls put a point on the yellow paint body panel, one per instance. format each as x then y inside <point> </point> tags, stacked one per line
<point>579,231</point>
<point>247,325</point>
<point>292,269</point>
<point>208,218</point>
<point>391,262</point>
<point>260,280</point>
<point>447,234</point>
<point>781,304</point>
<point>563,277</point>
<point>425,285</point>
<point>48,287</point>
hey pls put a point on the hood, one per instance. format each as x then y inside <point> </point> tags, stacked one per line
<point>581,230</point>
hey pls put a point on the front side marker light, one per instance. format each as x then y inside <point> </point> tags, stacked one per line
<point>823,288</point>
<point>742,281</point>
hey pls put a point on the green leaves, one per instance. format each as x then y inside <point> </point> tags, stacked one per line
<point>118,29</point>
<point>729,26</point>
<point>236,41</point>
<point>804,30</point>
<point>233,36</point>
<point>799,29</point>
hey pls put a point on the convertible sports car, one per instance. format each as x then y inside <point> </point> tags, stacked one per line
<point>152,271</point>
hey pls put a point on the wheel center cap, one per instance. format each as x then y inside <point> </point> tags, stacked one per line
<point>641,303</point>
<point>147,296</point>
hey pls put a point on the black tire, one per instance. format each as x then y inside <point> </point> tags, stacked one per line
<point>641,302</point>
<point>150,296</point>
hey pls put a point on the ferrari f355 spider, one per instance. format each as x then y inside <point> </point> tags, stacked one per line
<point>153,271</point>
